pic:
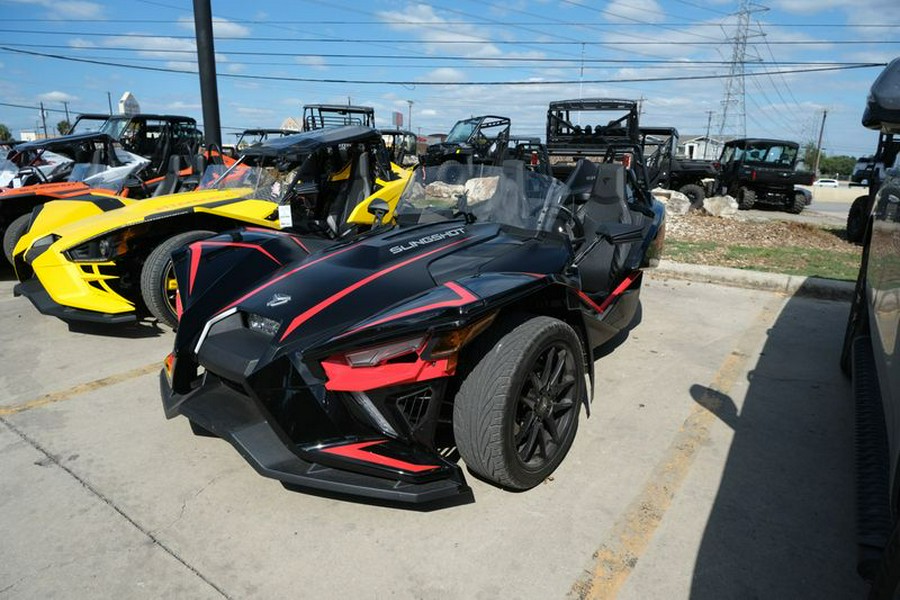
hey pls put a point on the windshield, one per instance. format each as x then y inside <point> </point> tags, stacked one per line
<point>461,131</point>
<point>773,155</point>
<point>88,125</point>
<point>509,195</point>
<point>264,183</point>
<point>81,171</point>
<point>114,127</point>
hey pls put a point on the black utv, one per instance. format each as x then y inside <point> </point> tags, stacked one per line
<point>693,178</point>
<point>479,140</point>
<point>762,172</point>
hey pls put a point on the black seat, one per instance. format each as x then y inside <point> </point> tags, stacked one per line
<point>170,181</point>
<point>606,204</point>
<point>358,188</point>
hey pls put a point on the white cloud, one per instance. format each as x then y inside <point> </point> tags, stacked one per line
<point>473,41</point>
<point>81,43</point>
<point>629,11</point>
<point>182,105</point>
<point>317,63</point>
<point>221,27</point>
<point>252,111</point>
<point>235,68</point>
<point>428,112</point>
<point>57,96</point>
<point>448,74</point>
<point>67,8</point>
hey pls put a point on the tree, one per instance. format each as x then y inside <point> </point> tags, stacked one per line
<point>63,127</point>
<point>839,166</point>
<point>5,134</point>
<point>808,155</point>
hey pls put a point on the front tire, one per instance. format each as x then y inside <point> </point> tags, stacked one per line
<point>856,220</point>
<point>746,198</point>
<point>158,286</point>
<point>13,234</point>
<point>516,413</point>
<point>799,203</point>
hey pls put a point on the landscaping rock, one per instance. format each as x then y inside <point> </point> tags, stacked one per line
<point>720,206</point>
<point>677,204</point>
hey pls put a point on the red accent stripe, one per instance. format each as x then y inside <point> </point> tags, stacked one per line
<point>299,243</point>
<point>282,276</point>
<point>311,312</point>
<point>357,452</point>
<point>196,251</point>
<point>465,296</point>
<point>624,285</point>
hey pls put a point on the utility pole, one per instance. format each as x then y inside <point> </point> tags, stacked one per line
<point>66,106</point>
<point>109,101</point>
<point>819,144</point>
<point>206,63</point>
<point>641,106</point>
<point>409,115</point>
<point>44,120</point>
<point>709,115</point>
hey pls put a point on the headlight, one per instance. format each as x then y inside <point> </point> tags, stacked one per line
<point>39,247</point>
<point>98,249</point>
<point>262,324</point>
<point>369,357</point>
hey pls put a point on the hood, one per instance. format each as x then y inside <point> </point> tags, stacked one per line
<point>353,286</point>
<point>61,215</point>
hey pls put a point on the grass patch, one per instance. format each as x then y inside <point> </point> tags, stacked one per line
<point>829,264</point>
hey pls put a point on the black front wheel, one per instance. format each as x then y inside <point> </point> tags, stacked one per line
<point>856,220</point>
<point>516,412</point>
<point>158,285</point>
<point>13,234</point>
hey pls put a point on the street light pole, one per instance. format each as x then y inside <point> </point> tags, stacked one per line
<point>206,62</point>
<point>409,115</point>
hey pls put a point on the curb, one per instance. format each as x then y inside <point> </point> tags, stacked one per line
<point>814,287</point>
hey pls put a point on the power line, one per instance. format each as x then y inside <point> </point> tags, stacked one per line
<point>446,42</point>
<point>425,23</point>
<point>454,58</point>
<point>437,83</point>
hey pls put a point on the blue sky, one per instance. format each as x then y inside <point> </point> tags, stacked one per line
<point>562,49</point>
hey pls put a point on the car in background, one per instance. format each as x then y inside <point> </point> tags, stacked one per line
<point>871,351</point>
<point>832,183</point>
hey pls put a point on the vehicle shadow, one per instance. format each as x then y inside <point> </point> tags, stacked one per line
<point>6,271</point>
<point>146,328</point>
<point>782,523</point>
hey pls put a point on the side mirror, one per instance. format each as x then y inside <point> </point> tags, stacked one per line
<point>379,209</point>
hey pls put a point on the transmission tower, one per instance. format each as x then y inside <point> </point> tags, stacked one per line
<point>733,104</point>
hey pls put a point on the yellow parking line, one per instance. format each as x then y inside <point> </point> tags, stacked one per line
<point>616,558</point>
<point>80,389</point>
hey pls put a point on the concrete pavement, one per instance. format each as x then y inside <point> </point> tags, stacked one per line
<point>717,463</point>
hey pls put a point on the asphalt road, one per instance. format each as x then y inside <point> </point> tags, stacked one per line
<point>717,463</point>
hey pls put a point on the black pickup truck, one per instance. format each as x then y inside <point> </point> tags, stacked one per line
<point>762,171</point>
<point>666,169</point>
<point>872,351</point>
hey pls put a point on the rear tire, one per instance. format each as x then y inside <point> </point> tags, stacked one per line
<point>14,233</point>
<point>696,193</point>
<point>157,277</point>
<point>856,220</point>
<point>516,413</point>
